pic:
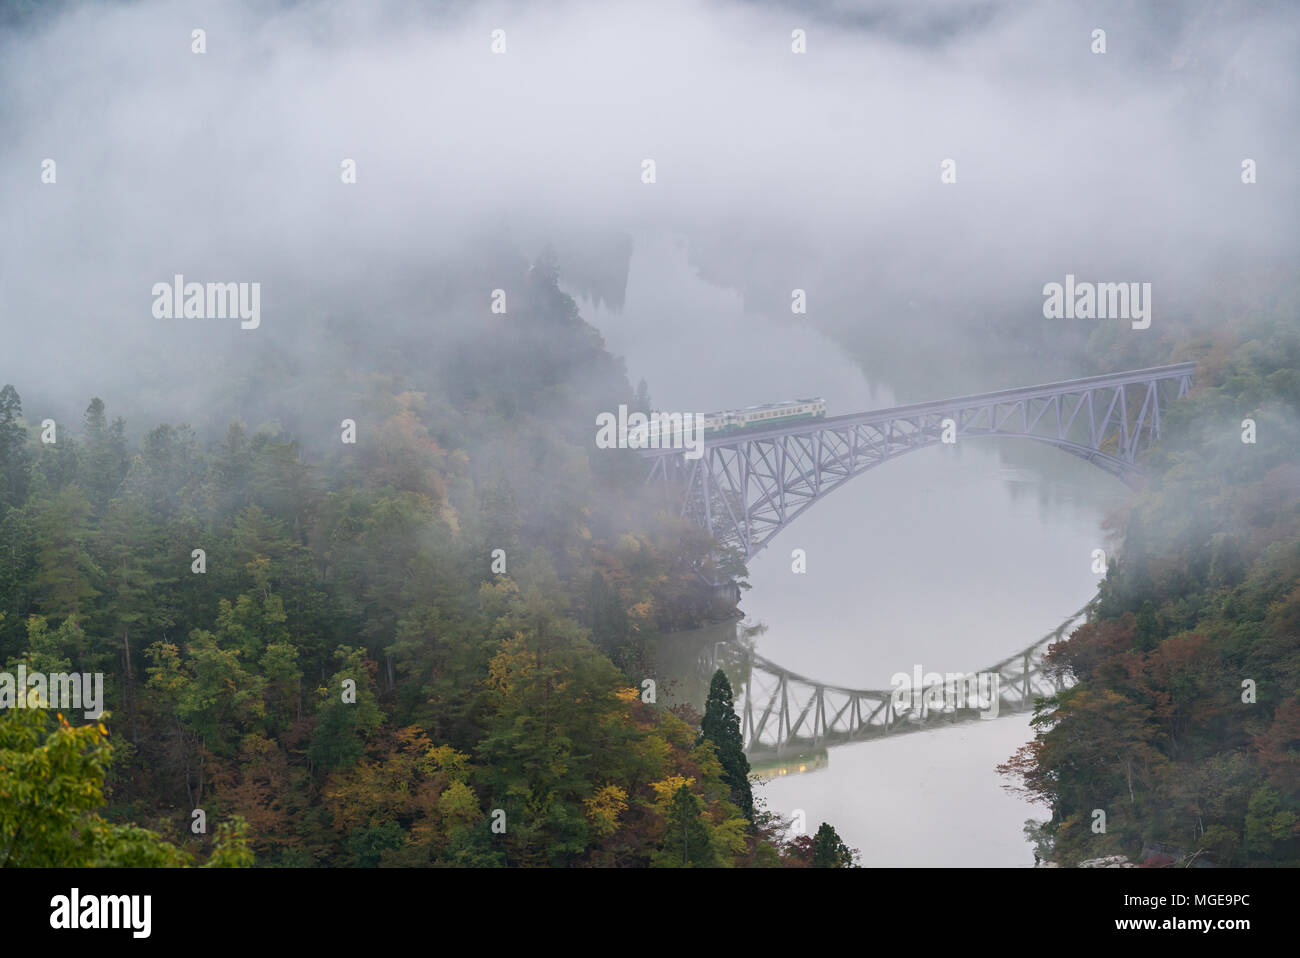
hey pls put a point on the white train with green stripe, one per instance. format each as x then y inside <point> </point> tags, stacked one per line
<point>766,415</point>
<point>661,429</point>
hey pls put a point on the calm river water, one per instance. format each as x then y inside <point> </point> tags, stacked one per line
<point>950,558</point>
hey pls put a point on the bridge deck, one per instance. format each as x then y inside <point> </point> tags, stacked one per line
<point>874,416</point>
<point>746,486</point>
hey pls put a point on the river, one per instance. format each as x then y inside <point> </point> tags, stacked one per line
<point>950,558</point>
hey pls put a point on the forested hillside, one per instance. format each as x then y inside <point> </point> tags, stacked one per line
<point>1184,727</point>
<point>479,572</point>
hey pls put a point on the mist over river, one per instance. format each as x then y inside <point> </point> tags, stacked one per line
<point>950,558</point>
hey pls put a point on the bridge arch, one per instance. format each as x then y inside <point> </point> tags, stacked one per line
<point>745,488</point>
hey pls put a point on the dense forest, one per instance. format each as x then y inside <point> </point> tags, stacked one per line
<point>424,647</point>
<point>1183,725</point>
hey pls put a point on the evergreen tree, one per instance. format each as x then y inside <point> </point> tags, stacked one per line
<point>15,470</point>
<point>686,842</point>
<point>65,569</point>
<point>1147,633</point>
<point>721,726</point>
<point>129,538</point>
<point>829,851</point>
<point>606,617</point>
<point>104,456</point>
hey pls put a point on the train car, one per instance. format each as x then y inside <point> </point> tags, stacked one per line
<point>770,414</point>
<point>653,435</point>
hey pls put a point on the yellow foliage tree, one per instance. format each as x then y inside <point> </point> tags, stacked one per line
<point>604,809</point>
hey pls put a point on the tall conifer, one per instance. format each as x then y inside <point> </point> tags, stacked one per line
<point>721,726</point>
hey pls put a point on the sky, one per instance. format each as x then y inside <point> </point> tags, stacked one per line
<point>817,170</point>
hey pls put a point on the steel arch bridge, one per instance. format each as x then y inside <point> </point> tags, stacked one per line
<point>783,712</point>
<point>747,487</point>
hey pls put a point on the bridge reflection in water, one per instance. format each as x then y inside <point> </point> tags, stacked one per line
<point>781,766</point>
<point>788,719</point>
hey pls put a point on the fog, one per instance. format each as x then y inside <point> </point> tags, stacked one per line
<point>778,170</point>
<point>486,135</point>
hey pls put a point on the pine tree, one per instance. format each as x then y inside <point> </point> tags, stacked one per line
<point>721,726</point>
<point>1147,631</point>
<point>129,548</point>
<point>65,568</point>
<point>829,851</point>
<point>15,469</point>
<point>104,456</point>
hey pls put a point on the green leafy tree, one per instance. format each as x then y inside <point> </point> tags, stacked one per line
<point>553,730</point>
<point>348,713</point>
<point>51,785</point>
<point>1271,827</point>
<point>230,846</point>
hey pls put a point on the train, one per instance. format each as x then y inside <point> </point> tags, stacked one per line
<point>768,414</point>
<point>732,420</point>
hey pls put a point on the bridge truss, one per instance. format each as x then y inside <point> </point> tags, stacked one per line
<point>747,487</point>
